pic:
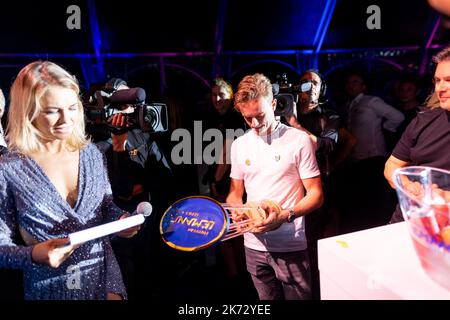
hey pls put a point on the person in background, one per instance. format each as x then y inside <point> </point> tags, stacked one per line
<point>223,116</point>
<point>443,6</point>
<point>368,116</point>
<point>274,162</point>
<point>315,117</point>
<point>10,279</point>
<point>407,95</point>
<point>66,190</point>
<point>139,172</point>
<point>2,134</point>
<point>369,197</point>
<point>406,100</point>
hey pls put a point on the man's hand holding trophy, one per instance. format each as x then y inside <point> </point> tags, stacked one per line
<point>195,223</point>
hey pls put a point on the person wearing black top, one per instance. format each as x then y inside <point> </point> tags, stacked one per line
<point>10,279</point>
<point>2,110</point>
<point>138,171</point>
<point>222,116</point>
<point>317,119</point>
<point>426,140</point>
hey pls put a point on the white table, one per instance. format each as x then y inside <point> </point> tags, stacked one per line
<point>378,263</point>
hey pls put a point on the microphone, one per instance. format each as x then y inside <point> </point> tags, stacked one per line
<point>144,208</point>
<point>128,96</point>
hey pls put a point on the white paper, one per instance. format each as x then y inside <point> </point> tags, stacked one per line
<point>105,229</point>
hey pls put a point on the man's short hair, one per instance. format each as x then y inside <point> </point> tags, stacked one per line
<point>2,99</point>
<point>253,87</point>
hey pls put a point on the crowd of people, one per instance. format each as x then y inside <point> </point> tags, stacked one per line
<point>327,167</point>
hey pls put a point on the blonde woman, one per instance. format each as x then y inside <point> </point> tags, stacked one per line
<point>52,183</point>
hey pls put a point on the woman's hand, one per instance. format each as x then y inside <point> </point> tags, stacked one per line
<point>52,252</point>
<point>130,232</point>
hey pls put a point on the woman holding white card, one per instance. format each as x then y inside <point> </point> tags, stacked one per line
<point>52,183</point>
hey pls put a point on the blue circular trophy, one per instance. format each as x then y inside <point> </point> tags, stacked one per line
<point>197,222</point>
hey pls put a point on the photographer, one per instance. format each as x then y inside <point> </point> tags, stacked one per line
<point>2,110</point>
<point>314,116</point>
<point>138,172</point>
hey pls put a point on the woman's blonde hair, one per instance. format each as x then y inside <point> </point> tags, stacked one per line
<point>28,88</point>
<point>221,83</point>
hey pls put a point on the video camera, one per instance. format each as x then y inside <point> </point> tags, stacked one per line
<point>104,103</point>
<point>286,95</point>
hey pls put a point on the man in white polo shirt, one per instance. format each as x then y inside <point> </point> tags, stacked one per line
<point>274,162</point>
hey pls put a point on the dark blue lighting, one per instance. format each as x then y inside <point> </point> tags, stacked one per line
<point>324,23</point>
<point>96,38</point>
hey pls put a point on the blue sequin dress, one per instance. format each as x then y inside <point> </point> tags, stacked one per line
<point>30,205</point>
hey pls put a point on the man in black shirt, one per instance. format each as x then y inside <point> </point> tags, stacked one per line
<point>426,140</point>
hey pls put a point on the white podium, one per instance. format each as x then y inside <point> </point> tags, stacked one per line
<point>378,263</point>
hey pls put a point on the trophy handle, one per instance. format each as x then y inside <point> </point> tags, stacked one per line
<point>197,222</point>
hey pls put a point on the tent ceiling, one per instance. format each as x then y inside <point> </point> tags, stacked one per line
<point>213,26</point>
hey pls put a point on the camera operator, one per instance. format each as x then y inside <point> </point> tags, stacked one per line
<point>138,172</point>
<point>314,116</point>
<point>222,116</point>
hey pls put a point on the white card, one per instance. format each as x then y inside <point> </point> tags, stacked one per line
<point>105,229</point>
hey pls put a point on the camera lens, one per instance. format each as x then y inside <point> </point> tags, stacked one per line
<point>281,104</point>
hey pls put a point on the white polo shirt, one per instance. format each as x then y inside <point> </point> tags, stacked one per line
<point>273,167</point>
